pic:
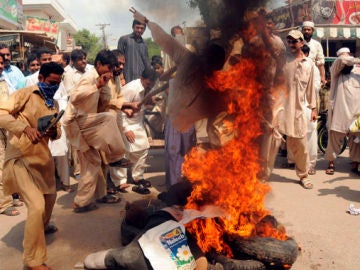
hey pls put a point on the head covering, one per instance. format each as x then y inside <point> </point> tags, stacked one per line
<point>308,24</point>
<point>177,193</point>
<point>296,34</point>
<point>342,50</point>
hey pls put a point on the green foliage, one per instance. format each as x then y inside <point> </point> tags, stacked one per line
<point>153,48</point>
<point>89,43</point>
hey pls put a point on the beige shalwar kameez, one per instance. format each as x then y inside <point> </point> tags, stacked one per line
<point>90,132</point>
<point>300,88</point>
<point>29,168</point>
<point>344,107</point>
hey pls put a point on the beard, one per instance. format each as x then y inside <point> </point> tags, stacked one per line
<point>307,37</point>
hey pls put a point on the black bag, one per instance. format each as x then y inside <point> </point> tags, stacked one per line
<point>48,121</point>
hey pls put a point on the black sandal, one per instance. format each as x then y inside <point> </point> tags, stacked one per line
<point>143,182</point>
<point>86,208</point>
<point>109,199</point>
<point>141,189</point>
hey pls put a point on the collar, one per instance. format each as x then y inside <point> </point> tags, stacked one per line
<point>136,38</point>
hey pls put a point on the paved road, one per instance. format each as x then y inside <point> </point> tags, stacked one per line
<point>317,219</point>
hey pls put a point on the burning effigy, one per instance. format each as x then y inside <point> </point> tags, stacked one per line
<point>235,92</point>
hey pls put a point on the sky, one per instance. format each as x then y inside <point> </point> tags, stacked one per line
<point>89,13</point>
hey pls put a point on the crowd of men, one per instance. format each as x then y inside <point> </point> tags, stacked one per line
<point>101,134</point>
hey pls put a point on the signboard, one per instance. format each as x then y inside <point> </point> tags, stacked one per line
<point>9,10</point>
<point>50,27</point>
<point>347,12</point>
<point>338,12</point>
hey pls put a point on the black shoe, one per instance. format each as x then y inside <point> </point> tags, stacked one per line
<point>123,163</point>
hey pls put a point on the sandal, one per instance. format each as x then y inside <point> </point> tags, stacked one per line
<point>86,208</point>
<point>17,203</point>
<point>11,211</point>
<point>143,182</point>
<point>112,191</point>
<point>331,169</point>
<point>306,183</point>
<point>354,166</point>
<point>141,189</point>
<point>312,171</point>
<point>109,199</point>
<point>50,229</point>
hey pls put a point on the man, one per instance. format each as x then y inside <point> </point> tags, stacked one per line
<point>344,107</point>
<point>29,167</point>
<point>44,56</point>
<point>11,72</point>
<point>71,78</point>
<point>299,74</point>
<point>136,52</point>
<point>89,131</point>
<point>59,148</point>
<point>6,202</point>
<point>117,103</point>
<point>135,137</point>
<point>316,50</point>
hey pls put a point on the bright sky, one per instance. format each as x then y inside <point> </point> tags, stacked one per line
<point>88,13</point>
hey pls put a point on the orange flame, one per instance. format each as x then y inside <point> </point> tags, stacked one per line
<point>228,175</point>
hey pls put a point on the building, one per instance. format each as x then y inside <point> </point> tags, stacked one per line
<point>49,16</point>
<point>11,14</point>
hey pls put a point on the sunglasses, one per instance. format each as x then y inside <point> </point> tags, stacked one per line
<point>292,41</point>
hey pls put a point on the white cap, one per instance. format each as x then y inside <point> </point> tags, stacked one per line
<point>342,50</point>
<point>296,34</point>
<point>308,24</point>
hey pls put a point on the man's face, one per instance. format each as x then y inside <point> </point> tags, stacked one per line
<point>307,32</point>
<point>139,29</point>
<point>159,69</point>
<point>119,69</point>
<point>147,84</point>
<point>45,58</point>
<point>80,64</point>
<point>102,69</point>
<point>34,66</point>
<point>1,65</point>
<point>52,79</point>
<point>6,53</point>
<point>294,44</point>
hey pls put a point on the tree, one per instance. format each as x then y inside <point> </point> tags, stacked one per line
<point>88,42</point>
<point>153,48</point>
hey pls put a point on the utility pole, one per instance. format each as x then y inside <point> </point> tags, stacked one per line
<point>102,28</point>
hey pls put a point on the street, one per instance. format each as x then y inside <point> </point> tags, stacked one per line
<point>317,219</point>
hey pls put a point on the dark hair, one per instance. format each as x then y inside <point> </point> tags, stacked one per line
<point>150,74</point>
<point>51,68</point>
<point>172,31</point>
<point>31,58</point>
<point>117,53</point>
<point>156,59</point>
<point>43,50</point>
<point>305,49</point>
<point>77,54</point>
<point>106,57</point>
<point>66,57</point>
<point>3,46</point>
<point>136,22</point>
<point>177,193</point>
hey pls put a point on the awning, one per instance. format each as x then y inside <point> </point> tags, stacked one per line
<point>330,31</point>
<point>336,32</point>
<point>37,39</point>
